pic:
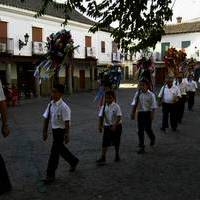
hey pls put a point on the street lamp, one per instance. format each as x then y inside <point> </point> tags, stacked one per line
<point>21,43</point>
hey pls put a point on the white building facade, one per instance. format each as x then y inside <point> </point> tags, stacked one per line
<point>185,36</point>
<point>18,64</point>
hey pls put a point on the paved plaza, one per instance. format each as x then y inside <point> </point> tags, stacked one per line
<point>168,171</point>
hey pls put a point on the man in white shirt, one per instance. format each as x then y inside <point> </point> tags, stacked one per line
<point>191,86</point>
<point>144,103</point>
<point>5,184</point>
<point>181,103</point>
<point>59,114</point>
<point>169,96</point>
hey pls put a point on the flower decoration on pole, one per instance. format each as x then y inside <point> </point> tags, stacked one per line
<point>111,77</point>
<point>188,66</point>
<point>60,50</point>
<point>173,60</point>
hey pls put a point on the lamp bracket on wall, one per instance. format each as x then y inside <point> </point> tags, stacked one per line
<point>21,43</point>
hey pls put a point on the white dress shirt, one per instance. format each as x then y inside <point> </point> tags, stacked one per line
<point>169,95</point>
<point>59,114</point>
<point>111,113</point>
<point>190,85</point>
<point>147,101</point>
<point>183,88</point>
<point>2,96</point>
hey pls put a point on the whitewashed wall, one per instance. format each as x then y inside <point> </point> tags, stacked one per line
<point>21,22</point>
<point>175,40</point>
<point>104,57</point>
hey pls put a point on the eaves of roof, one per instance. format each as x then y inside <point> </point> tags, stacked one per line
<point>187,27</point>
<point>35,5</point>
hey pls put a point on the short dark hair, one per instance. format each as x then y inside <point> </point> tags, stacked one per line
<point>110,93</point>
<point>144,81</point>
<point>60,88</point>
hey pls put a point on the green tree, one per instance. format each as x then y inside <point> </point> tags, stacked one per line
<point>140,22</point>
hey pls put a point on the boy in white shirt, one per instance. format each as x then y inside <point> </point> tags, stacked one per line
<point>110,120</point>
<point>59,115</point>
<point>181,103</point>
<point>144,105</point>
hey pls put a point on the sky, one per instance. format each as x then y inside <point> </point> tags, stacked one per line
<point>187,9</point>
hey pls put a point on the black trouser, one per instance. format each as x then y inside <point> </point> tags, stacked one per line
<point>169,109</point>
<point>4,179</point>
<point>190,100</point>
<point>58,148</point>
<point>112,137</point>
<point>144,124</point>
<point>181,108</point>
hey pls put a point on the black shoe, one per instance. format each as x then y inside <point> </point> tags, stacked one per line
<point>5,190</point>
<point>152,143</point>
<point>163,129</point>
<point>73,167</point>
<point>48,180</point>
<point>174,129</point>
<point>141,151</point>
<point>101,161</point>
<point>117,159</point>
<point>180,121</point>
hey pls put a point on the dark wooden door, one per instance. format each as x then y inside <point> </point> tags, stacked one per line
<point>3,77</point>
<point>82,79</point>
<point>88,41</point>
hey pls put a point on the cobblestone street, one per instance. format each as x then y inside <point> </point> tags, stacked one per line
<point>168,171</point>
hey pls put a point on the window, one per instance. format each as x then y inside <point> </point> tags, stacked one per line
<point>103,48</point>
<point>36,34</point>
<point>88,41</point>
<point>114,47</point>
<point>3,28</point>
<point>185,44</point>
<point>164,47</point>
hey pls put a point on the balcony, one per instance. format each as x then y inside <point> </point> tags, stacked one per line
<point>90,52</point>
<point>116,57</point>
<point>7,46</point>
<point>39,48</point>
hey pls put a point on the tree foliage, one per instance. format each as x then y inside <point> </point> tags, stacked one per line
<point>140,22</point>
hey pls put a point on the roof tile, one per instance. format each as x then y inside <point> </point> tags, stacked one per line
<point>35,5</point>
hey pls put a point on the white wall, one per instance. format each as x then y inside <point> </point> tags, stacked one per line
<point>104,57</point>
<point>176,39</point>
<point>21,22</point>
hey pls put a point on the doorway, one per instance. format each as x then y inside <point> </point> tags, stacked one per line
<point>82,79</point>
<point>26,79</point>
<point>3,77</point>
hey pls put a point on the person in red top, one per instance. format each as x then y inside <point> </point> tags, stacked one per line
<point>14,95</point>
